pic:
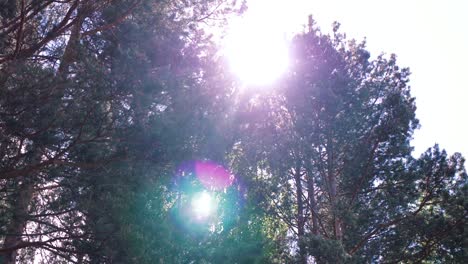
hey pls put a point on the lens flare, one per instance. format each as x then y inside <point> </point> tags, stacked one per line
<point>202,205</point>
<point>213,176</point>
<point>256,44</point>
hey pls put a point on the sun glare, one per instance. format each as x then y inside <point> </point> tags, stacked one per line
<point>202,204</point>
<point>256,45</point>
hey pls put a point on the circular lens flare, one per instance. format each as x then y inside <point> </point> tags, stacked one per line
<point>202,204</point>
<point>213,176</point>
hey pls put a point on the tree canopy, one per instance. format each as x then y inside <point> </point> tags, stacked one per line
<point>116,115</point>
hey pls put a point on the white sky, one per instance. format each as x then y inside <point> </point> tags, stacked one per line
<point>429,36</point>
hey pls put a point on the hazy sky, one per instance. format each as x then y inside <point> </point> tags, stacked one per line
<point>429,36</point>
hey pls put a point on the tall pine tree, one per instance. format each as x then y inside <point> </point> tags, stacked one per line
<point>329,157</point>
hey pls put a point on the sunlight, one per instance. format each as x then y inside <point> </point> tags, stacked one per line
<point>256,45</point>
<point>202,204</point>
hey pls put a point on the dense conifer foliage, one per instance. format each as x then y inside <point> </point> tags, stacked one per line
<point>116,115</point>
<point>332,161</point>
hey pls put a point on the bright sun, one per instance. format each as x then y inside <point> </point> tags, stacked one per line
<point>202,204</point>
<point>256,44</point>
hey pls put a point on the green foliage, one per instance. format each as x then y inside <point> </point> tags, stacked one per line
<point>101,104</point>
<point>333,159</point>
<point>325,250</point>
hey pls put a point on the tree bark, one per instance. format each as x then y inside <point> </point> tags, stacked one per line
<point>71,50</point>
<point>18,221</point>
<point>312,201</point>
<point>333,184</point>
<point>300,216</point>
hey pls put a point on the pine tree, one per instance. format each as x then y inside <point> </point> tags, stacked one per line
<point>329,156</point>
<point>103,102</point>
<point>94,107</point>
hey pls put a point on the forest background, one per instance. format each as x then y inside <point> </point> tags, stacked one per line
<point>125,137</point>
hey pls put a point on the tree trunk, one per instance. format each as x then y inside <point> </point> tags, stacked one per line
<point>71,50</point>
<point>312,201</point>
<point>333,191</point>
<point>300,216</point>
<point>15,228</point>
